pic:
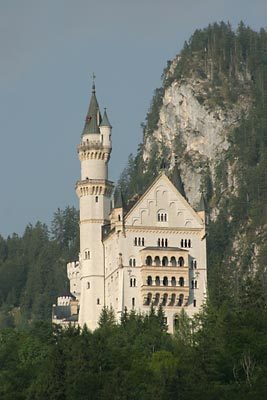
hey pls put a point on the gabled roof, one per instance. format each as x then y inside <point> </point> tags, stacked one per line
<point>163,175</point>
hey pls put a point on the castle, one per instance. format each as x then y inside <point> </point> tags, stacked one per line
<point>152,251</point>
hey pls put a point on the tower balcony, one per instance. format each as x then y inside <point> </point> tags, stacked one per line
<point>94,187</point>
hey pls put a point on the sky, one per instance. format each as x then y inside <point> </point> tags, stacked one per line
<point>49,51</point>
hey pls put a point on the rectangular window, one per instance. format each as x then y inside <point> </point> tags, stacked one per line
<point>133,301</point>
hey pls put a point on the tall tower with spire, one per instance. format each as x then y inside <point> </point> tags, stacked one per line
<point>94,191</point>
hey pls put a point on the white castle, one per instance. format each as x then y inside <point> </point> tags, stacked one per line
<point>152,252</point>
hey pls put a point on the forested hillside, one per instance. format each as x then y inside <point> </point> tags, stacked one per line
<point>218,80</point>
<point>33,268</point>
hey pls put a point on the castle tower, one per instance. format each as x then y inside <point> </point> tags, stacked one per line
<point>94,192</point>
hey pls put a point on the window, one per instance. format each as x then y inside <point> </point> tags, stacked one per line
<point>186,243</point>
<point>194,303</point>
<point>181,281</point>
<point>131,282</point>
<point>149,260</point>
<point>87,255</point>
<point>164,300</point>
<point>96,199</point>
<point>139,241</point>
<point>195,284</point>
<point>132,262</point>
<point>195,264</point>
<point>173,262</point>
<point>165,281</point>
<point>149,280</point>
<point>133,301</point>
<point>157,281</point>
<point>134,282</point>
<point>181,261</point>
<point>157,261</point>
<point>165,261</point>
<point>162,216</point>
<point>192,284</point>
<point>180,300</point>
<point>162,242</point>
<point>88,285</point>
<point>98,301</point>
<point>173,281</point>
<point>119,217</point>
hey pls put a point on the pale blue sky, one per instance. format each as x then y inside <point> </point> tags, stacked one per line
<point>49,49</point>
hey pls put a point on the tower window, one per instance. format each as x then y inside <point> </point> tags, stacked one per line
<point>96,199</point>
<point>133,301</point>
<point>98,301</point>
<point>195,303</point>
<point>131,282</point>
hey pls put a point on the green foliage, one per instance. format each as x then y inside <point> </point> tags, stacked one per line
<point>33,268</point>
<point>220,354</point>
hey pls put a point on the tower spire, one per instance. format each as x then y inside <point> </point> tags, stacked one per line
<point>93,117</point>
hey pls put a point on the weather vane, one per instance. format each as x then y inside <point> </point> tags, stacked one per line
<point>93,77</point>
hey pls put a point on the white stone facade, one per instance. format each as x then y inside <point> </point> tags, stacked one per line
<point>153,254</point>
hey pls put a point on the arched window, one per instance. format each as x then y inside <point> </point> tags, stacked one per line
<point>181,281</point>
<point>165,281</point>
<point>157,261</point>
<point>189,243</point>
<point>131,262</point>
<point>134,263</point>
<point>165,217</point>
<point>192,284</point>
<point>148,299</point>
<point>139,241</point>
<point>158,242</point>
<point>135,241</point>
<point>195,284</point>
<point>164,299</point>
<point>119,217</point>
<point>157,297</point>
<point>149,260</point>
<point>165,261</point>
<point>131,282</point>
<point>162,242</point>
<point>158,217</point>
<point>133,301</point>
<point>143,241</point>
<point>173,262</point>
<point>195,264</point>
<point>180,300</point>
<point>192,264</point>
<point>96,199</point>
<point>149,280</point>
<point>172,300</point>
<point>185,243</point>
<point>157,281</point>
<point>134,282</point>
<point>166,242</point>
<point>181,262</point>
<point>98,301</point>
<point>88,285</point>
<point>173,281</point>
<point>182,242</point>
<point>194,303</point>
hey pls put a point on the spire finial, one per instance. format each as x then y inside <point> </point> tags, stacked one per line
<point>93,79</point>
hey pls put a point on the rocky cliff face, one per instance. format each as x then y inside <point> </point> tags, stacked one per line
<point>195,132</point>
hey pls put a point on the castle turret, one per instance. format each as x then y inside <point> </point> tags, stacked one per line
<point>94,191</point>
